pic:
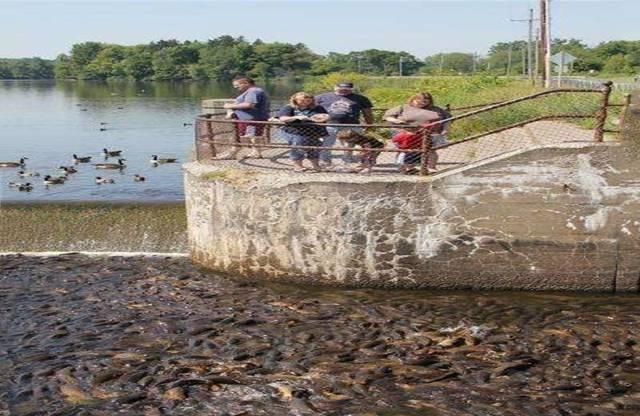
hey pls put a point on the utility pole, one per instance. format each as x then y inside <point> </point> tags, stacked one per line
<point>441,62</point>
<point>400,66</point>
<point>537,63</point>
<point>509,60</point>
<point>524,63</point>
<point>545,41</point>
<point>473,62</point>
<point>530,20</point>
<point>547,56</point>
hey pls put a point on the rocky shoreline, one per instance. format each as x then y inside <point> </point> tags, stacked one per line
<point>151,336</point>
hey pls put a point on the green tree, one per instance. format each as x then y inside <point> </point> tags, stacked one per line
<point>617,64</point>
<point>280,59</point>
<point>138,63</point>
<point>63,68</point>
<point>225,57</point>
<point>5,71</point>
<point>108,63</point>
<point>172,63</point>
<point>83,53</point>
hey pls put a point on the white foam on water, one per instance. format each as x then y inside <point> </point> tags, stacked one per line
<point>92,253</point>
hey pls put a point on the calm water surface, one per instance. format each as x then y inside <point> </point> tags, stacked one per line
<point>49,121</point>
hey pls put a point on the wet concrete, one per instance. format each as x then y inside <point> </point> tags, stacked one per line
<point>153,336</point>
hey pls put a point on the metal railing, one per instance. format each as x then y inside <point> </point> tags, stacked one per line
<point>569,82</point>
<point>480,132</point>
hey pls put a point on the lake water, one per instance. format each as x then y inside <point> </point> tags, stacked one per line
<point>49,121</point>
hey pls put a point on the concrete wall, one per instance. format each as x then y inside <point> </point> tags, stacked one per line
<point>563,218</point>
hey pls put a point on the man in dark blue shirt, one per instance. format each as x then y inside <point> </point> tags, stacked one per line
<point>251,104</point>
<point>344,107</point>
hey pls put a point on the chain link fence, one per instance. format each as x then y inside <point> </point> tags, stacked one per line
<point>475,133</point>
<point>568,82</point>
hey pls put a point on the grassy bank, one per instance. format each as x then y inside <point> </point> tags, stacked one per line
<point>93,227</point>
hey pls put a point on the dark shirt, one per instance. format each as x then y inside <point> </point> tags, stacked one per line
<point>258,97</point>
<point>343,109</point>
<point>303,127</point>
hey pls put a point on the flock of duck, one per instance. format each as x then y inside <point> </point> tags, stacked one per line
<point>66,171</point>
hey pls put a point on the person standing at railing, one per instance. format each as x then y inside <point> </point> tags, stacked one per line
<point>251,104</point>
<point>420,110</point>
<point>344,107</point>
<point>299,116</point>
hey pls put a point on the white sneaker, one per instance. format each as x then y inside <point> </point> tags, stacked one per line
<point>228,155</point>
<point>254,154</point>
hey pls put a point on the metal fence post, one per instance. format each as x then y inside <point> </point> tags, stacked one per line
<point>623,112</point>
<point>210,136</point>
<point>426,149</point>
<point>196,131</point>
<point>601,114</point>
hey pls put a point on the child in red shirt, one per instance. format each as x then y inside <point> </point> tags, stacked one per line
<point>411,138</point>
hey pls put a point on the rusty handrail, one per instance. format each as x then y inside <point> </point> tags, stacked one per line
<point>601,115</point>
<point>511,126</point>
<point>426,148</point>
<point>287,146</point>
<point>513,101</point>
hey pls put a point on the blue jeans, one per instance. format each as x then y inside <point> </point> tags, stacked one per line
<point>330,140</point>
<point>300,140</point>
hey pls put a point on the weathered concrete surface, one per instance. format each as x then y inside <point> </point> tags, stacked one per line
<point>564,218</point>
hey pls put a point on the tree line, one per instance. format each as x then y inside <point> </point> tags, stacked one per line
<point>226,56</point>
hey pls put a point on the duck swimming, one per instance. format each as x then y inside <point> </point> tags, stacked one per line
<point>19,164</point>
<point>118,165</point>
<point>138,178</point>
<point>83,159</point>
<point>68,169</point>
<point>25,187</point>
<point>156,160</point>
<point>54,180</point>
<point>111,153</point>
<point>100,180</point>
<point>27,174</point>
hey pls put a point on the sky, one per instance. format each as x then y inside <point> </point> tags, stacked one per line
<point>420,27</point>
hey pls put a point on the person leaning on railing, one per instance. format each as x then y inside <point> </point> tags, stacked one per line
<point>420,110</point>
<point>251,104</point>
<point>299,116</point>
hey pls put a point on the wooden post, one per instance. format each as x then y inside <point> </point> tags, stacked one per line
<point>601,114</point>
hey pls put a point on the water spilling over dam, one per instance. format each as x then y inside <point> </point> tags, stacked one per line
<point>95,227</point>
